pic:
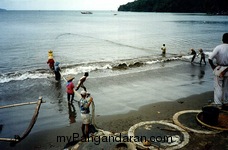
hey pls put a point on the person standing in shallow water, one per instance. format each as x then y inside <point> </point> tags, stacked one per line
<point>220,54</point>
<point>70,89</point>
<point>51,62</point>
<point>57,71</point>
<point>202,54</point>
<point>193,52</point>
<point>81,81</point>
<point>163,48</point>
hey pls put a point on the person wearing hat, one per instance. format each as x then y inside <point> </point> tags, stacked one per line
<point>70,89</point>
<point>57,71</point>
<point>50,53</point>
<point>85,113</point>
<point>81,81</point>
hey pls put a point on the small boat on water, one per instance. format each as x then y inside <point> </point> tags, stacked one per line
<point>86,12</point>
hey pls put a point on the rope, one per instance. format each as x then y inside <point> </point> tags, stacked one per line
<point>93,122</point>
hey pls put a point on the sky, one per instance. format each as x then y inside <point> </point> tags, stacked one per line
<point>62,4</point>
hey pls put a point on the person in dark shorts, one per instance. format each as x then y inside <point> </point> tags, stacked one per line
<point>193,52</point>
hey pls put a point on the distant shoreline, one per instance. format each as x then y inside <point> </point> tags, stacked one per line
<point>2,9</point>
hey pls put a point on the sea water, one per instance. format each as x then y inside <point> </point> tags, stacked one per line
<point>26,37</point>
<point>111,46</point>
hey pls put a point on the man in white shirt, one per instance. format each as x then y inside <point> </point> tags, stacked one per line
<point>220,69</point>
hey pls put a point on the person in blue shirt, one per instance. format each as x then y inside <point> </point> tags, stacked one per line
<point>57,71</point>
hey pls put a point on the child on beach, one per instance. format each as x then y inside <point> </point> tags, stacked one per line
<point>70,89</point>
<point>202,54</point>
<point>81,81</point>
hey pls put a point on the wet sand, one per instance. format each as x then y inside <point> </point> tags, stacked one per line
<point>122,122</point>
<point>122,101</point>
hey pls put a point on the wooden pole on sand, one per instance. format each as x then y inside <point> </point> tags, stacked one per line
<point>18,138</point>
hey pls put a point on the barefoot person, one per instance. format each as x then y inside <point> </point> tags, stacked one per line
<point>85,113</point>
<point>163,48</point>
<point>193,52</point>
<point>81,81</point>
<point>220,54</point>
<point>202,56</point>
<point>51,62</point>
<point>57,71</point>
<point>70,89</point>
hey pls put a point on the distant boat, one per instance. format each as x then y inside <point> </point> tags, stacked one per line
<point>86,12</point>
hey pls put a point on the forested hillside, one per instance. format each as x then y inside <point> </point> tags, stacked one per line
<point>193,6</point>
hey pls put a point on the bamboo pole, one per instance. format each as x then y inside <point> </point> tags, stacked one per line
<point>33,121</point>
<point>20,104</point>
<point>28,130</point>
<point>9,140</point>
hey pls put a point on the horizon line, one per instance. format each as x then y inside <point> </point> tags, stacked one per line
<point>57,10</point>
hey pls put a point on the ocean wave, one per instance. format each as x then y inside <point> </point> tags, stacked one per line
<point>16,76</point>
<point>75,69</point>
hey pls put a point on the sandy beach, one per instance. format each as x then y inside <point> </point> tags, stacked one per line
<point>137,99</point>
<point>122,122</point>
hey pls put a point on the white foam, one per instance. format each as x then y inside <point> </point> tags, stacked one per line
<point>187,57</point>
<point>82,69</point>
<point>152,62</point>
<point>27,75</point>
<point>76,69</point>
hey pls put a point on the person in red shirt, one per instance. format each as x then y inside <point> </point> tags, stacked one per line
<point>70,89</point>
<point>51,62</point>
